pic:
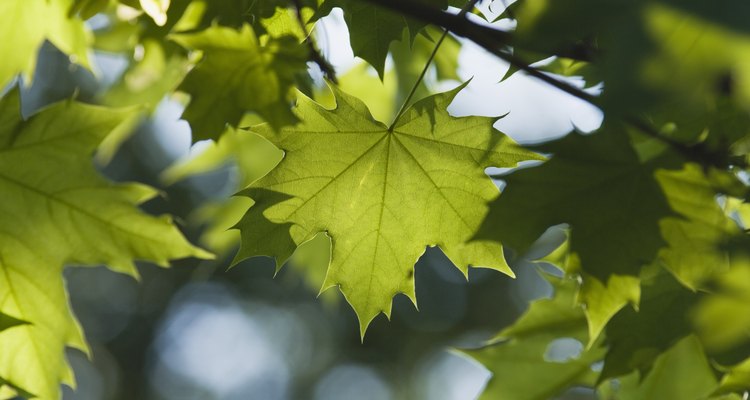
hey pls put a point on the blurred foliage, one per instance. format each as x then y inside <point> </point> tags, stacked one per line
<point>257,78</point>
<point>649,287</point>
<point>518,355</point>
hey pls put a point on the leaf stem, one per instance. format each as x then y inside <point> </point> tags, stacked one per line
<point>414,88</point>
<point>315,55</point>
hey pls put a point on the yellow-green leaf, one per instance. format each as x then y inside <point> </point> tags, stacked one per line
<point>57,210</point>
<point>602,301</point>
<point>695,238</point>
<point>381,194</point>
<point>29,23</point>
<point>238,74</point>
<point>682,372</point>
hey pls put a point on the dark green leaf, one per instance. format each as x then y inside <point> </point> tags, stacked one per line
<point>598,185</point>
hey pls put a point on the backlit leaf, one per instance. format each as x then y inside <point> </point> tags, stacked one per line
<point>372,28</point>
<point>600,301</point>
<point>381,194</point>
<point>695,239</point>
<point>30,23</point>
<point>637,337</point>
<point>57,210</point>
<point>682,372</point>
<point>238,74</point>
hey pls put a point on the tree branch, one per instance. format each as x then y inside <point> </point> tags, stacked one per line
<point>454,23</point>
<point>327,69</point>
<point>483,35</point>
<point>496,41</point>
<point>469,6</point>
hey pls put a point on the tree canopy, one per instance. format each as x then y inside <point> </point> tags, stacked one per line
<point>652,279</point>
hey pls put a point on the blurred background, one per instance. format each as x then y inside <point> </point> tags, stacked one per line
<point>198,331</point>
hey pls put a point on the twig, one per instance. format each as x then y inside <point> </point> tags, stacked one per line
<point>419,80</point>
<point>494,41</point>
<point>469,6</point>
<point>464,27</point>
<point>315,55</point>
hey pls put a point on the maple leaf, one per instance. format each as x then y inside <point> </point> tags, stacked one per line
<point>238,74</point>
<point>381,194</point>
<point>600,300</point>
<point>636,337</point>
<point>57,210</point>
<point>235,13</point>
<point>598,185</point>
<point>682,372</point>
<point>373,28</point>
<point>517,356</point>
<point>695,238</point>
<point>30,23</point>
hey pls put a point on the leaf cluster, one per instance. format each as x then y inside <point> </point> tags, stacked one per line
<point>353,178</point>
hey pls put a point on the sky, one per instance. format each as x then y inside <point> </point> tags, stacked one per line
<point>535,111</point>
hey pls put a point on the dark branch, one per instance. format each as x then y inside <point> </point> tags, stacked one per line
<point>326,67</point>
<point>456,24</point>
<point>496,41</point>
<point>483,35</point>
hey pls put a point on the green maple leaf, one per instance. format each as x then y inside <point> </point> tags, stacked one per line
<point>637,337</point>
<point>598,185</point>
<point>600,300</point>
<point>235,13</point>
<point>695,238</point>
<point>517,356</point>
<point>682,372</point>
<point>373,28</point>
<point>30,23</point>
<point>381,194</point>
<point>57,210</point>
<point>238,74</point>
